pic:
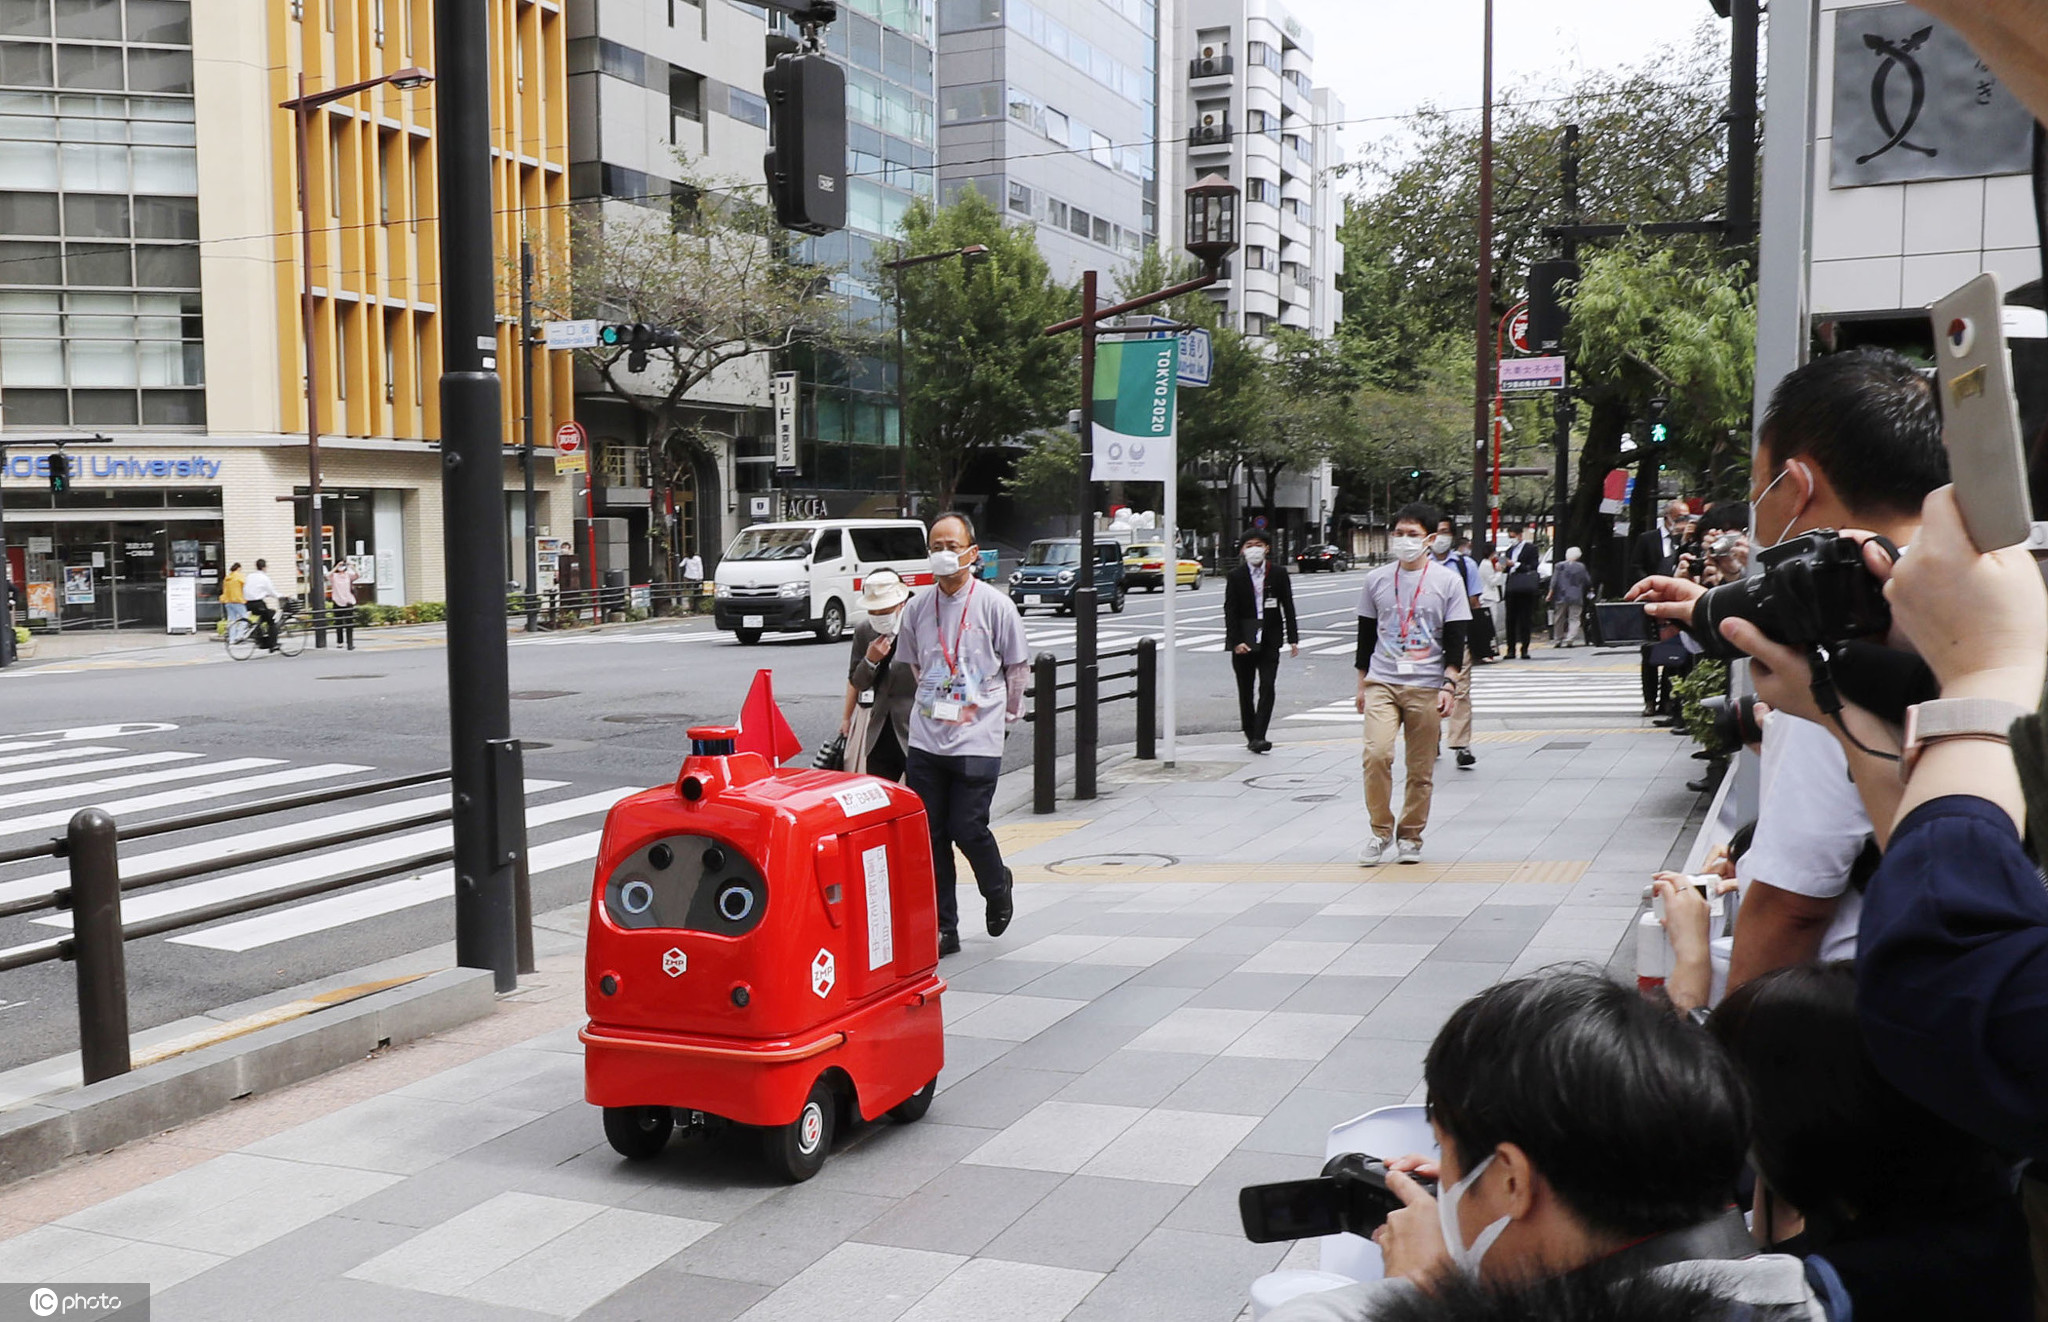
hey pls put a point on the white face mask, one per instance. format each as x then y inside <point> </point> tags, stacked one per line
<point>1466,1256</point>
<point>1255,555</point>
<point>1405,549</point>
<point>1441,546</point>
<point>945,564</point>
<point>1758,502</point>
<point>887,625</point>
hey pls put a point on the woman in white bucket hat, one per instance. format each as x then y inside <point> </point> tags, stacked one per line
<point>879,693</point>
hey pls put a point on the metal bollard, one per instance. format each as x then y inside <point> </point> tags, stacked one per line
<point>1045,746</point>
<point>1148,699</point>
<point>96,944</point>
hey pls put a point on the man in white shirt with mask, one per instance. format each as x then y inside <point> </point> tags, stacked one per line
<point>1458,729</point>
<point>260,595</point>
<point>966,647</point>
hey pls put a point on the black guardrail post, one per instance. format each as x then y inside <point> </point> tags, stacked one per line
<point>96,944</point>
<point>1148,699</point>
<point>1045,717</point>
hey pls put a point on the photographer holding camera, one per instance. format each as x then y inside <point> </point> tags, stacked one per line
<point>1583,1130</point>
<point>1851,440</point>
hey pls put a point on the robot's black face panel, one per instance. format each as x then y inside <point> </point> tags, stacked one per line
<point>689,882</point>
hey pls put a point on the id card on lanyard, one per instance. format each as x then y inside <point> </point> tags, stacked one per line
<point>1404,663</point>
<point>949,701</point>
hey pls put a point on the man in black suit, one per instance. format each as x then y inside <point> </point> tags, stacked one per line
<point>1258,607</point>
<point>1523,587</point>
<point>1656,551</point>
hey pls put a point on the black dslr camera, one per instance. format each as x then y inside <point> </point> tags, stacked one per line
<point>1735,725</point>
<point>1813,590</point>
<point>1351,1197</point>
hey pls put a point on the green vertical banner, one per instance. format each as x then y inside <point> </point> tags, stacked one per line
<point>1133,410</point>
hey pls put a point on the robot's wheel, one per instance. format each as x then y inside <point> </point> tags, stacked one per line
<point>638,1133</point>
<point>797,1151</point>
<point>913,1107</point>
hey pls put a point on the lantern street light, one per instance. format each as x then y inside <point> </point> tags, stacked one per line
<point>1211,235</point>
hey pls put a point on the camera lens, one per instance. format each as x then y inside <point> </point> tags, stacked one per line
<point>736,903</point>
<point>1730,601</point>
<point>636,896</point>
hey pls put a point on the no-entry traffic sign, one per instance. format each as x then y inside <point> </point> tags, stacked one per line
<point>572,452</point>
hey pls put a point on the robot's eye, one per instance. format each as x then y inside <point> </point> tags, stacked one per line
<point>714,859</point>
<point>736,904</point>
<point>661,856</point>
<point>636,896</point>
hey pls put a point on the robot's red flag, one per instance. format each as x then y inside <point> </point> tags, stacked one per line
<point>762,727</point>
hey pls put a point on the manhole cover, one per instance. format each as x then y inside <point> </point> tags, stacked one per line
<point>655,718</point>
<point>1288,781</point>
<point>538,695</point>
<point>1112,862</point>
<point>1565,745</point>
<point>348,676</point>
<point>1313,798</point>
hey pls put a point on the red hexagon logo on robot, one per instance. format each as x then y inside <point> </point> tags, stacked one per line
<point>675,963</point>
<point>823,973</point>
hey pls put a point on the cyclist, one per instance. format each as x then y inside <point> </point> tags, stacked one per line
<point>260,595</point>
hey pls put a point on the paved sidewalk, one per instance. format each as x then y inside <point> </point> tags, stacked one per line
<point>1199,983</point>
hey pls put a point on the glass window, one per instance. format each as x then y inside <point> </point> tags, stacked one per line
<point>1077,222</point>
<point>96,216</point>
<point>97,264</point>
<point>28,213</point>
<point>898,62</point>
<point>25,18</point>
<point>38,408</point>
<point>160,70</point>
<point>166,217</point>
<point>161,170</point>
<point>830,546</point>
<point>746,107</point>
<point>30,363</point>
<point>173,408</point>
<point>30,264</point>
<point>94,167</point>
<point>103,408</point>
<point>89,66</point>
<point>1020,198</point>
<point>23,64</point>
<point>959,105</point>
<point>89,18</point>
<point>954,15</point>
<point>1101,234</point>
<point>102,362</point>
<point>167,266</point>
<point>167,22</point>
<point>864,41</point>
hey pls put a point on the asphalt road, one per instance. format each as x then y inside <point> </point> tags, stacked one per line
<point>158,733</point>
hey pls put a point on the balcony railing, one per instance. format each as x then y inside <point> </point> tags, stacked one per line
<point>1204,136</point>
<point>1211,66</point>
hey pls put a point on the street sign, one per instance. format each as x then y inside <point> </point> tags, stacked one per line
<point>785,422</point>
<point>572,449</point>
<point>569,334</point>
<point>1518,328</point>
<point>1522,375</point>
<point>1195,352</point>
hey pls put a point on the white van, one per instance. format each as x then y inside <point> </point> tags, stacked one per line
<point>807,575</point>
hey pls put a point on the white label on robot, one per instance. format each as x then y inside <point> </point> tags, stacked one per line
<point>675,963</point>
<point>823,974</point>
<point>881,926</point>
<point>864,797</point>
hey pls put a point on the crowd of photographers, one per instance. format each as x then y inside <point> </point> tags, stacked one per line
<point>1849,1119</point>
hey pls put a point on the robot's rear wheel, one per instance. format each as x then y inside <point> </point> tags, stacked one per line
<point>638,1133</point>
<point>797,1151</point>
<point>913,1107</point>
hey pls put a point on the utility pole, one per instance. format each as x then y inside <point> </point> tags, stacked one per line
<point>488,788</point>
<point>526,446</point>
<point>1562,405</point>
<point>1086,668</point>
<point>1742,54</point>
<point>1483,383</point>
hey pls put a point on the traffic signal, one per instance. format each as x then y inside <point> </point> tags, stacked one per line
<point>60,472</point>
<point>806,161</point>
<point>1659,433</point>
<point>637,338</point>
<point>611,337</point>
<point>1547,316</point>
<point>1415,474</point>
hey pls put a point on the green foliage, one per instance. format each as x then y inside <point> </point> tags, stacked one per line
<point>1047,476</point>
<point>20,636</point>
<point>978,367</point>
<point>428,612</point>
<point>1706,679</point>
<point>1299,412</point>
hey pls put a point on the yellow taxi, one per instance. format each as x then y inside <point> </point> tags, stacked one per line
<point>1145,567</point>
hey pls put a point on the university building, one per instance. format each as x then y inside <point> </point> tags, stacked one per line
<point>150,286</point>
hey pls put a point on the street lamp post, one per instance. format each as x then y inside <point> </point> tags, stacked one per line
<point>972,253</point>
<point>1211,215</point>
<point>302,107</point>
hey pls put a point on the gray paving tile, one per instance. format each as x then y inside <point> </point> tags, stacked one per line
<point>1249,991</point>
<point>1180,1276</point>
<point>999,1096</point>
<point>991,1290</point>
<point>1071,1047</point>
<point>1237,939</point>
<point>894,1160</point>
<point>1140,1007</point>
<point>773,1241</point>
<point>1331,993</point>
<point>1188,969</point>
<point>448,1189</point>
<point>716,1176</point>
<point>1412,929</point>
<point>663,1296</point>
<point>1480,947</point>
<point>1275,913</point>
<point>1409,1014</point>
<point>856,1283</point>
<point>1079,981</point>
<point>1211,1206</point>
<point>1370,1065</point>
<point>402,1135</point>
<point>1238,1085</point>
<point>286,1268</point>
<point>348,1298</point>
<point>547,1141</point>
<point>1302,1122</point>
<point>1134,1078</point>
<point>966,1055</point>
<point>996,975</point>
<point>962,1209</point>
<point>1440,975</point>
<point>1089,1223</point>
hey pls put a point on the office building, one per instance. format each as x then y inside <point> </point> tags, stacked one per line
<point>150,291</point>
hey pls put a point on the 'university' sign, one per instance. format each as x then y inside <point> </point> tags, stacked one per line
<point>116,467</point>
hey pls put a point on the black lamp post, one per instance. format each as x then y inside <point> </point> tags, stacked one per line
<point>1211,235</point>
<point>969,255</point>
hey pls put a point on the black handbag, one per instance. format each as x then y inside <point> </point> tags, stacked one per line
<point>831,756</point>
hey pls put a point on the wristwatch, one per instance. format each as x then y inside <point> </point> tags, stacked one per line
<point>1955,718</point>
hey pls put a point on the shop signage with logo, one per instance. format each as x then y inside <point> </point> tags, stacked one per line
<point>87,464</point>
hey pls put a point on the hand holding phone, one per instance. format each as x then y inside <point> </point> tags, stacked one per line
<point>1980,419</point>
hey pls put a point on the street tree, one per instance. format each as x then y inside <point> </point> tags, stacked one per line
<point>979,369</point>
<point>1300,413</point>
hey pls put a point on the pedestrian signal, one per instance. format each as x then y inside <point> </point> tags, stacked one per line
<point>60,472</point>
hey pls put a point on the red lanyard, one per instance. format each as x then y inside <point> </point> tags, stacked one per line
<point>1414,598</point>
<point>952,658</point>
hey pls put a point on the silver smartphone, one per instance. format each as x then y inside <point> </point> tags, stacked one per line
<point>1980,418</point>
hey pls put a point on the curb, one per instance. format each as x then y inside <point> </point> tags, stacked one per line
<point>38,1135</point>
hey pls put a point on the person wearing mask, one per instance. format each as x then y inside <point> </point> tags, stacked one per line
<point>261,596</point>
<point>1258,612</point>
<point>966,649</point>
<point>879,694</point>
<point>1413,616</point>
<point>341,590</point>
<point>1493,597</point>
<point>233,599</point>
<point>1828,1138</point>
<point>1445,550</point>
<point>1522,563</point>
<point>1571,587</point>
<point>1851,440</point>
<point>1656,551</point>
<point>1582,1129</point>
<point>693,577</point>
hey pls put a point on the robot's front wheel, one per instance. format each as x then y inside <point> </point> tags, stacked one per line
<point>638,1133</point>
<point>913,1107</point>
<point>797,1151</point>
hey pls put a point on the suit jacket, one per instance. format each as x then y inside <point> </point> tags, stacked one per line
<point>1237,610</point>
<point>1649,556</point>
<point>1525,558</point>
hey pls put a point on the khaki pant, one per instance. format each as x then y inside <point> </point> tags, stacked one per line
<point>1392,709</point>
<point>1458,728</point>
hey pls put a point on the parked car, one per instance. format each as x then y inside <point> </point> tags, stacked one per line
<point>1145,567</point>
<point>1050,574</point>
<point>1330,557</point>
<point>806,576</point>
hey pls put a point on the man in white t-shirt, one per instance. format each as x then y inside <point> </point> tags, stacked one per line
<point>1412,619</point>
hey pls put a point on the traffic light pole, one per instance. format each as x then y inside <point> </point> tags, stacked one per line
<point>1484,383</point>
<point>6,575</point>
<point>487,789</point>
<point>526,445</point>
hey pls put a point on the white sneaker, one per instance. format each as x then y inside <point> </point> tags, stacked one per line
<point>1376,852</point>
<point>1408,851</point>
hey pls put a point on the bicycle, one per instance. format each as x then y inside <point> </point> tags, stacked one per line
<point>291,633</point>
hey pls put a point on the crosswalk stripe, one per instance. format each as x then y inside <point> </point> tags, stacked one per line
<point>224,848</point>
<point>290,872</point>
<point>34,774</point>
<point>374,901</point>
<point>83,789</point>
<point>10,742</point>
<point>56,755</point>
<point>221,789</point>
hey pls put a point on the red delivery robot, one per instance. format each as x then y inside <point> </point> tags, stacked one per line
<point>763,949</point>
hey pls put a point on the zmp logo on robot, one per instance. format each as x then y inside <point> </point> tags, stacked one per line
<point>675,963</point>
